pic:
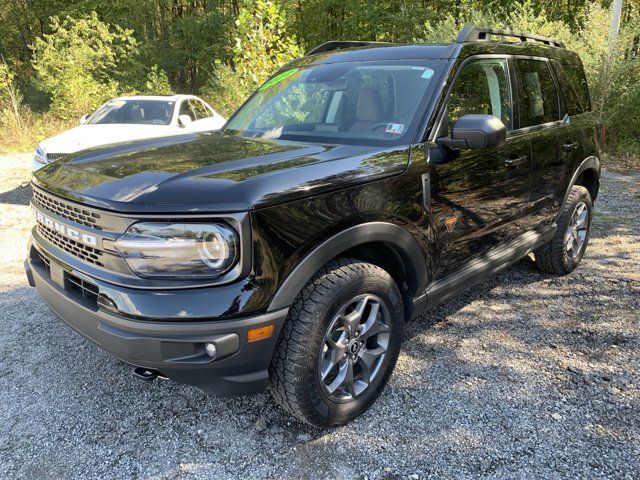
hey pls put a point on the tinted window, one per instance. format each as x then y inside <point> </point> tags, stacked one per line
<point>540,102</point>
<point>574,87</point>
<point>482,87</point>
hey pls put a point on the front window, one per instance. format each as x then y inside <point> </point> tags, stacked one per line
<point>375,103</point>
<point>482,87</point>
<point>146,112</point>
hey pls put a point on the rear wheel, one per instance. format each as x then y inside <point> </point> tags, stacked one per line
<point>565,250</point>
<point>339,344</point>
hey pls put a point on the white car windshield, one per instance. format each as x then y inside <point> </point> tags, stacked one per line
<point>140,112</point>
<point>359,103</point>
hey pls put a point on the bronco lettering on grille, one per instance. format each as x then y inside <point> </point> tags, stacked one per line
<point>65,230</point>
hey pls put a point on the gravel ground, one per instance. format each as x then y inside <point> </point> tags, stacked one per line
<point>524,375</point>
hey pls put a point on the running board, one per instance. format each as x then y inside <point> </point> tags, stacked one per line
<point>480,268</point>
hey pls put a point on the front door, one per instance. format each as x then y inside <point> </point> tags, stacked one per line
<point>479,199</point>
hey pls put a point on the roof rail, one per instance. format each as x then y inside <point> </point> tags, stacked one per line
<point>339,45</point>
<point>483,34</point>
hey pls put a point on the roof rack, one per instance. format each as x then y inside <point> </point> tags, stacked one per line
<point>340,45</point>
<point>483,34</point>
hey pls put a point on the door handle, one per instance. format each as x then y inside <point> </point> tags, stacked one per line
<point>514,162</point>
<point>567,147</point>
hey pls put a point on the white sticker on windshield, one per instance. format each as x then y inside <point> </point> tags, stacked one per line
<point>395,128</point>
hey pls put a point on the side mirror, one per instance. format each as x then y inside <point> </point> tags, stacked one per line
<point>84,118</point>
<point>475,131</point>
<point>184,121</point>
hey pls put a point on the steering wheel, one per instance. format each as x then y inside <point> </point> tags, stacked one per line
<point>156,121</point>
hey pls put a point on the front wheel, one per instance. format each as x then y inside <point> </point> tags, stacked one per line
<point>339,343</point>
<point>565,250</point>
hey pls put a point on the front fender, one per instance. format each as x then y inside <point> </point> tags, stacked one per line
<point>349,238</point>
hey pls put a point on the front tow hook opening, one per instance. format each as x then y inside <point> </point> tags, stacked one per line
<point>148,374</point>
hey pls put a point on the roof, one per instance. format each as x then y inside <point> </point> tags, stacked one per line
<point>471,40</point>
<point>168,98</point>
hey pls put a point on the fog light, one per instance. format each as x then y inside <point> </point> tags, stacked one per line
<point>211,349</point>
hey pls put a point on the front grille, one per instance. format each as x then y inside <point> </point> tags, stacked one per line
<point>83,252</point>
<point>67,210</point>
<point>88,290</point>
<point>45,261</point>
<point>55,156</point>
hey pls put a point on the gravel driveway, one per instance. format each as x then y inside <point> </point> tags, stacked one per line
<point>525,375</point>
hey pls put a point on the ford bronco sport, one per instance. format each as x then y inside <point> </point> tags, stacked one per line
<point>356,188</point>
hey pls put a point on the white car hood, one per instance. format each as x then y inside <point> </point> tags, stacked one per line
<point>87,136</point>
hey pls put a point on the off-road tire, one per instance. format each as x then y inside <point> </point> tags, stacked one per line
<point>553,257</point>
<point>295,383</point>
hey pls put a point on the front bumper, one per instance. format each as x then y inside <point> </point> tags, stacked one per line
<point>173,348</point>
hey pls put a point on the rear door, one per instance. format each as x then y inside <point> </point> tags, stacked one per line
<point>478,199</point>
<point>556,141</point>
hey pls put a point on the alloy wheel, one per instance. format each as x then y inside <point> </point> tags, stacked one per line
<point>576,233</point>
<point>354,348</point>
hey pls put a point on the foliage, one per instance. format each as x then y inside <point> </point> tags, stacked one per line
<point>622,102</point>
<point>62,58</point>
<point>261,47</point>
<point>82,63</point>
<point>157,82</point>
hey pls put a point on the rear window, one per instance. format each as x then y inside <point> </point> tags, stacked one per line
<point>540,102</point>
<point>574,87</point>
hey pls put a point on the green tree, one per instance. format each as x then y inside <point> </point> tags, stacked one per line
<point>84,62</point>
<point>157,82</point>
<point>262,46</point>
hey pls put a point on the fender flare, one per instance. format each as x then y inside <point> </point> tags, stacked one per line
<point>592,163</point>
<point>343,241</point>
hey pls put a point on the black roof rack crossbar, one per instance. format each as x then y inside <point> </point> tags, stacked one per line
<point>339,45</point>
<point>483,34</point>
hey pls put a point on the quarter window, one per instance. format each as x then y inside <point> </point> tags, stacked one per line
<point>540,97</point>
<point>482,88</point>
<point>200,109</point>
<point>185,109</point>
<point>574,87</point>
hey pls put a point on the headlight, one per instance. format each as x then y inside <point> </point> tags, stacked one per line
<point>179,250</point>
<point>39,156</point>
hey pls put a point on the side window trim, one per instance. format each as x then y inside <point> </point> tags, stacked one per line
<point>443,108</point>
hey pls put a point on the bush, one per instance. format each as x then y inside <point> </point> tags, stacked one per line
<point>83,63</point>
<point>261,47</point>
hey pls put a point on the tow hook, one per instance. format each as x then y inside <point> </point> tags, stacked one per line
<point>148,374</point>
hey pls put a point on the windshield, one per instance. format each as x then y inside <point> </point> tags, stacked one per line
<point>359,103</point>
<point>147,112</point>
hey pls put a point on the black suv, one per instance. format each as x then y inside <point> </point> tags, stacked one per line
<point>358,187</point>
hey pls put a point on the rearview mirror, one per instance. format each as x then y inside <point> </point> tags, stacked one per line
<point>475,131</point>
<point>184,121</point>
<point>84,118</point>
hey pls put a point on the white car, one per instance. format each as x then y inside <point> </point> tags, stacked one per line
<point>131,118</point>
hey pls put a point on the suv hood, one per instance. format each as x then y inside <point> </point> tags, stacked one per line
<point>208,172</point>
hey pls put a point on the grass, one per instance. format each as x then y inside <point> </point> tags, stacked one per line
<point>22,134</point>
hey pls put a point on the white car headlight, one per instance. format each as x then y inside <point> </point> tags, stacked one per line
<point>39,156</point>
<point>179,250</point>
